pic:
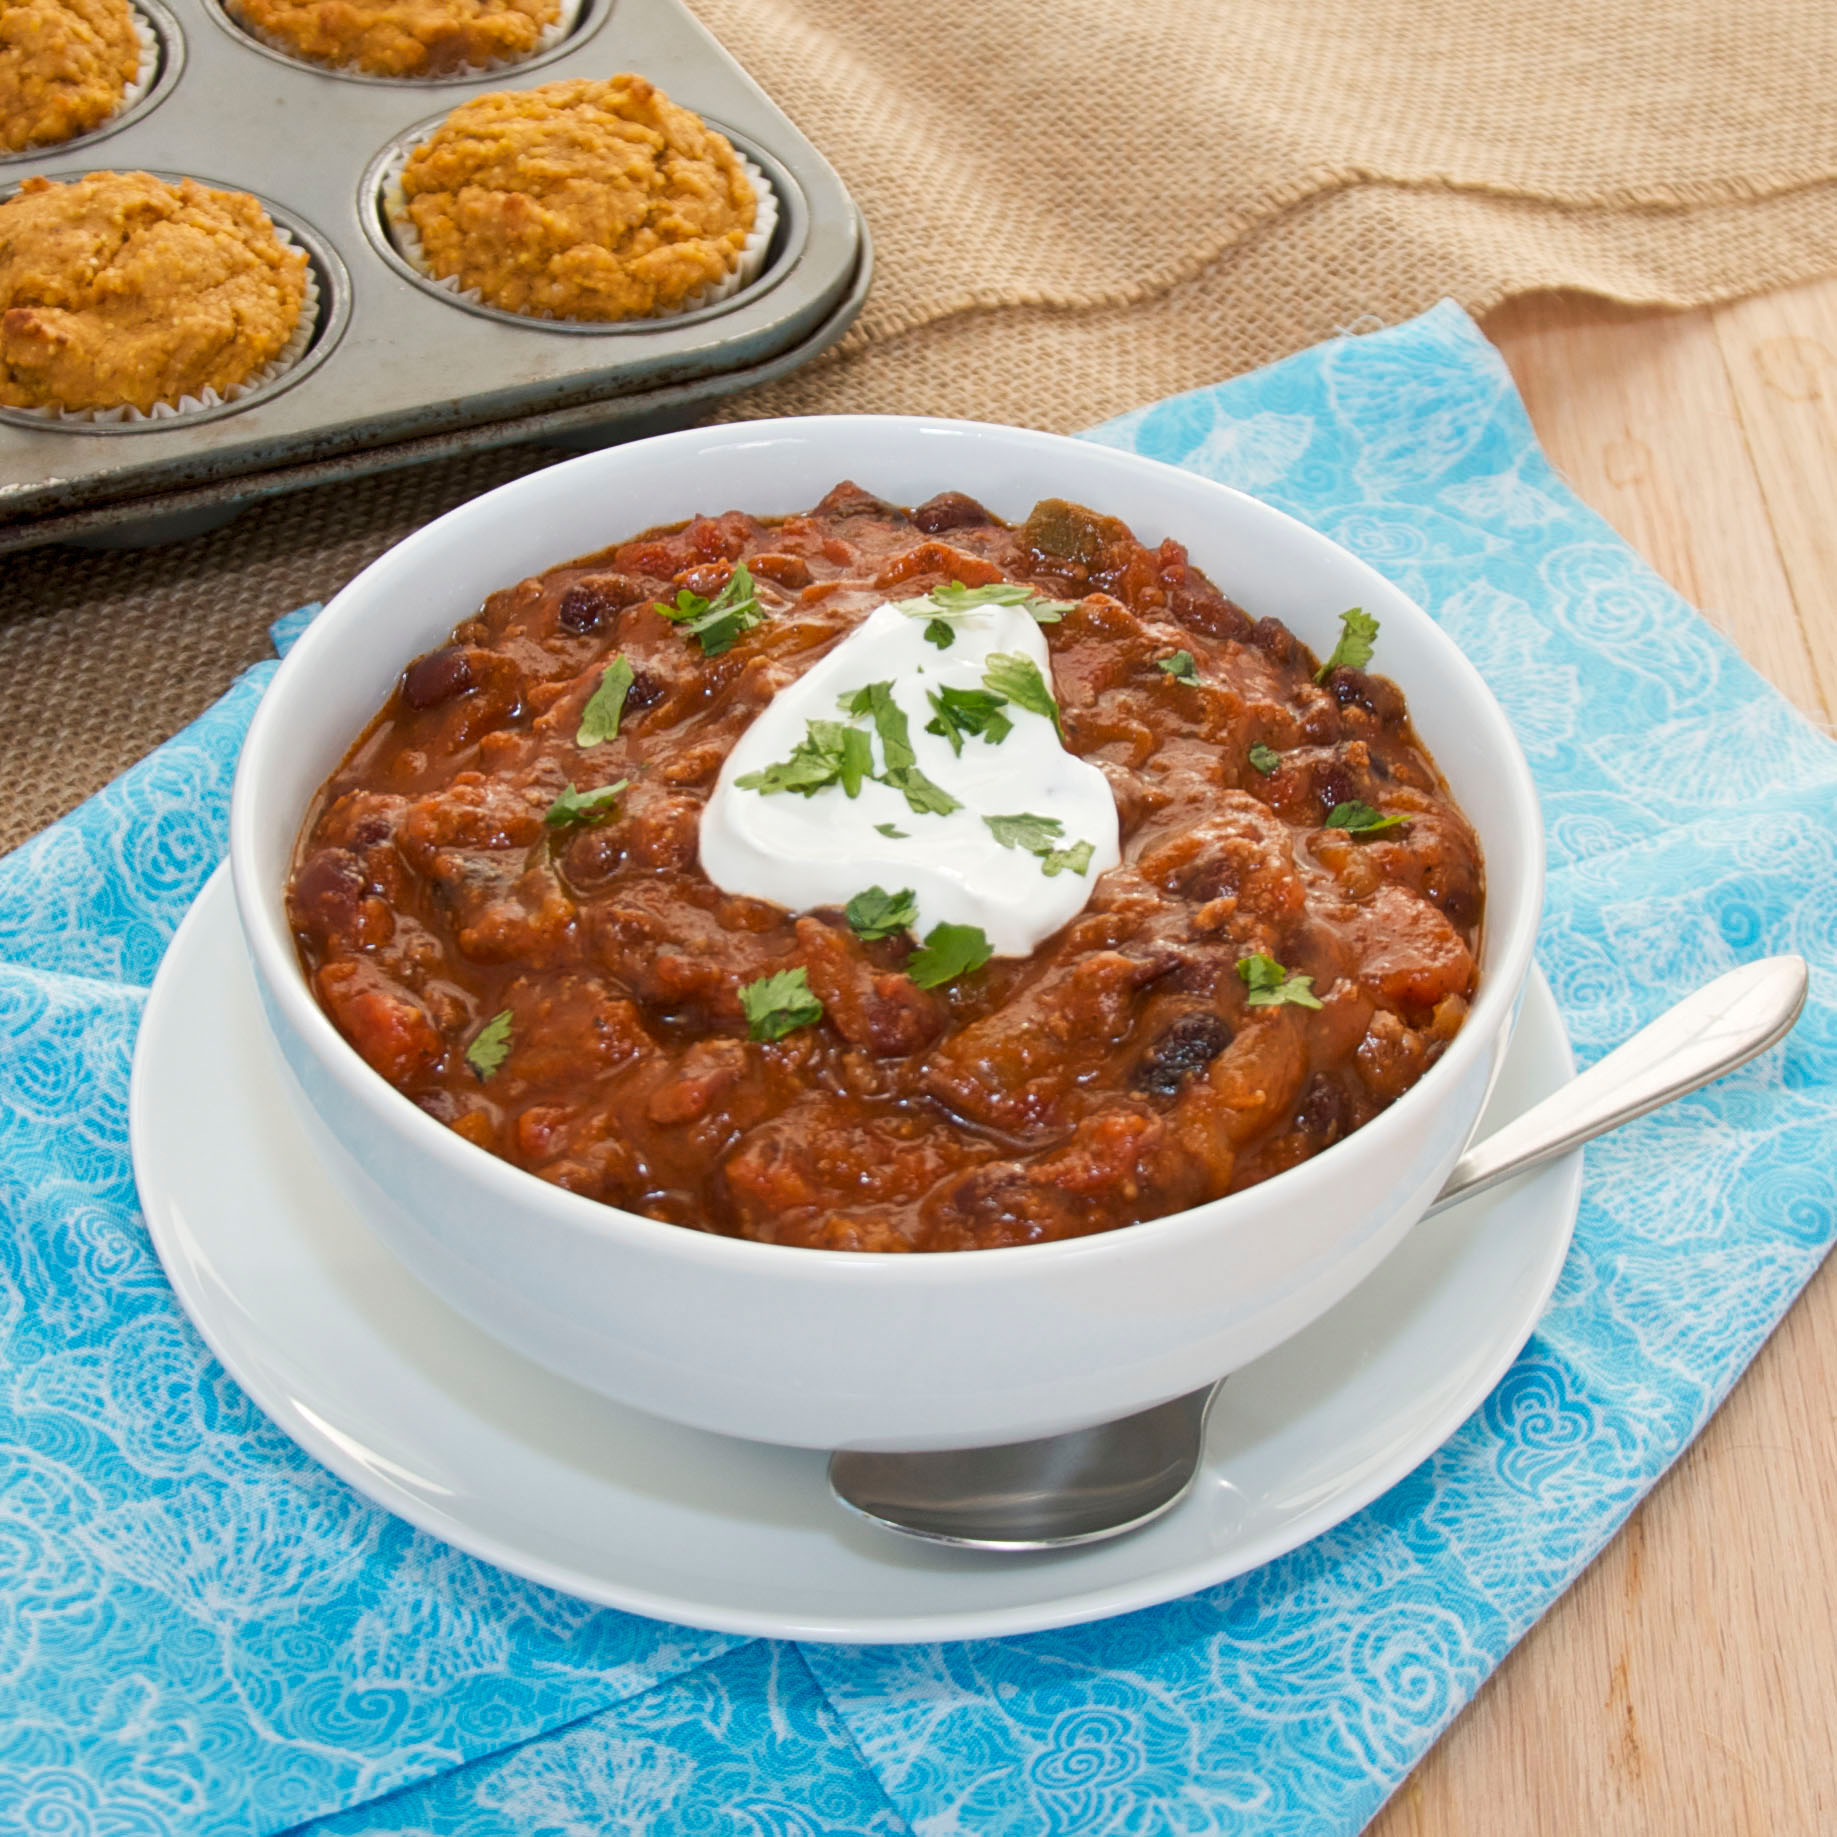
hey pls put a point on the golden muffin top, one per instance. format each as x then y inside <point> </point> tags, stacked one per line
<point>586,199</point>
<point>64,67</point>
<point>402,38</point>
<point>120,288</point>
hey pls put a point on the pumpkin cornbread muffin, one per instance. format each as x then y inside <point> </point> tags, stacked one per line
<point>402,38</point>
<point>64,67</point>
<point>119,289</point>
<point>595,200</point>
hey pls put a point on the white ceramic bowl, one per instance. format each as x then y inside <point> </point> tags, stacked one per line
<point>832,1348</point>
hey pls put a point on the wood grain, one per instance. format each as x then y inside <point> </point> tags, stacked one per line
<point>1685,1683</point>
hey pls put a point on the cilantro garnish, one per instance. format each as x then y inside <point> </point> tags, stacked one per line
<point>1180,666</point>
<point>574,807</point>
<point>942,604</point>
<point>1026,831</point>
<point>938,632</point>
<point>1360,819</point>
<point>599,720</point>
<point>834,753</point>
<point>898,835</point>
<point>1038,835</point>
<point>961,712</point>
<point>1076,859</point>
<point>1016,678</point>
<point>875,700</point>
<point>1353,652</point>
<point>949,951</point>
<point>876,913</point>
<point>922,794</point>
<point>1265,758</point>
<point>779,1004</point>
<point>830,753</point>
<point>719,622</point>
<point>1270,984</point>
<point>490,1045</point>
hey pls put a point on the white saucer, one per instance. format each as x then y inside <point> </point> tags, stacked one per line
<point>437,1422</point>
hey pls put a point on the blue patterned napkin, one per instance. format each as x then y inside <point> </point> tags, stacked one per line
<point>200,1631</point>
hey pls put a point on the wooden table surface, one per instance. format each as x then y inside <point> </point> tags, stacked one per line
<point>1687,1682</point>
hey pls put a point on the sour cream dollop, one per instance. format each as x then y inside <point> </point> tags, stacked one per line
<point>802,852</point>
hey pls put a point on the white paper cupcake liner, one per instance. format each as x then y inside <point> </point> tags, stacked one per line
<point>144,75</point>
<point>290,354</point>
<point>751,265</point>
<point>547,40</point>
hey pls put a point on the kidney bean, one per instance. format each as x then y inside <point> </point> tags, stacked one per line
<point>1194,1040</point>
<point>438,677</point>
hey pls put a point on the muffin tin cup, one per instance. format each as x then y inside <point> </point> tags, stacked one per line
<point>554,41</point>
<point>162,56</point>
<point>323,310</point>
<point>397,237</point>
<point>550,39</point>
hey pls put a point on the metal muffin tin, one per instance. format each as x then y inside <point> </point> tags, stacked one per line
<point>398,371</point>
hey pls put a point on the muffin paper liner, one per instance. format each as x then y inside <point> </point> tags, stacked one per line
<point>290,354</point>
<point>407,240</point>
<point>143,77</point>
<point>549,38</point>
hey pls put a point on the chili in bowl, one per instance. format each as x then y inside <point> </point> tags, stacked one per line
<point>754,976</point>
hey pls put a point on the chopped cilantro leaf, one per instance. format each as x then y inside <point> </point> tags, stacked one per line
<point>876,913</point>
<point>779,1004</point>
<point>719,622</point>
<point>855,761</point>
<point>1265,758</point>
<point>1360,819</point>
<point>1016,677</point>
<point>490,1045</point>
<point>1037,836</point>
<point>1180,666</point>
<point>599,720</point>
<point>954,601</point>
<point>1270,984</point>
<point>921,793</point>
<point>875,700</point>
<point>1025,831</point>
<point>898,835</point>
<point>1353,652</point>
<point>583,807</point>
<point>832,752</point>
<point>1076,859</point>
<point>961,712</point>
<point>938,632</point>
<point>829,753</point>
<point>806,772</point>
<point>949,951</point>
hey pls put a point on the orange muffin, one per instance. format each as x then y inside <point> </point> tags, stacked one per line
<point>120,289</point>
<point>402,38</point>
<point>597,200</point>
<point>64,67</point>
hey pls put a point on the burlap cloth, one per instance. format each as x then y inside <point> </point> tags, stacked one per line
<point>1080,206</point>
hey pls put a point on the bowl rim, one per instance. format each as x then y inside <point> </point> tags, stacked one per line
<point>1508,940</point>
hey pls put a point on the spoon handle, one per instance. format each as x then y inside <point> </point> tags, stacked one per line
<point>1723,1025</point>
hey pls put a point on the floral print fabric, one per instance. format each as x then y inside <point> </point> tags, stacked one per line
<point>201,1631</point>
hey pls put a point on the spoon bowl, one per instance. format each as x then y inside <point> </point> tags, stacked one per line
<point>1034,1495</point>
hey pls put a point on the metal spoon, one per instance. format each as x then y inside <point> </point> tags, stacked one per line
<point>1099,1482</point>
